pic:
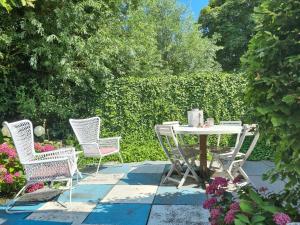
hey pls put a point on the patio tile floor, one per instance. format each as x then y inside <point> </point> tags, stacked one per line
<point>128,194</point>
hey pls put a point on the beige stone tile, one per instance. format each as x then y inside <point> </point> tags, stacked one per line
<point>131,194</point>
<point>102,179</point>
<point>52,211</point>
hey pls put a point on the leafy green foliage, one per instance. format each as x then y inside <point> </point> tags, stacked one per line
<point>132,106</point>
<point>10,4</point>
<point>231,19</point>
<point>54,58</point>
<point>272,63</point>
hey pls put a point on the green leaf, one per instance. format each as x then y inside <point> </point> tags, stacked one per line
<point>270,208</point>
<point>257,218</point>
<point>246,206</point>
<point>238,222</point>
<point>255,197</point>
<point>264,110</point>
<point>290,99</point>
<point>243,218</point>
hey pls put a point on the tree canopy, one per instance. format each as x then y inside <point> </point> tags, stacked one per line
<point>61,51</point>
<point>232,20</point>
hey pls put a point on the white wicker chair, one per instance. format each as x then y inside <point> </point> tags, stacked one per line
<point>178,156</point>
<point>218,148</point>
<point>232,160</point>
<point>87,132</point>
<point>56,165</point>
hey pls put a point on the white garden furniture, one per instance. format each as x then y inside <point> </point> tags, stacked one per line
<point>216,148</point>
<point>87,132</point>
<point>203,132</point>
<point>56,165</point>
<point>179,157</point>
<point>232,160</point>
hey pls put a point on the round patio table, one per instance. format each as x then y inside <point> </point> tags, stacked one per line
<point>203,132</point>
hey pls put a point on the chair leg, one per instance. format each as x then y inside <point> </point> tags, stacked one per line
<point>10,204</point>
<point>99,163</point>
<point>71,186</point>
<point>184,178</point>
<point>168,174</point>
<point>120,157</point>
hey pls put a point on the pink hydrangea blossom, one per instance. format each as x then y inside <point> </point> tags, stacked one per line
<point>210,189</point>
<point>17,174</point>
<point>8,178</point>
<point>220,181</point>
<point>281,218</point>
<point>215,213</point>
<point>10,152</point>
<point>229,217</point>
<point>207,204</point>
<point>34,187</point>
<point>219,191</point>
<point>235,206</point>
<point>48,148</point>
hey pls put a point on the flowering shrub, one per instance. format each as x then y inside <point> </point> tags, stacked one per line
<point>11,171</point>
<point>11,178</point>
<point>251,206</point>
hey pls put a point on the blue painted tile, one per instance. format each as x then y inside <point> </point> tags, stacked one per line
<point>141,179</point>
<point>4,215</point>
<point>25,206</point>
<point>149,168</point>
<point>116,169</point>
<point>86,193</point>
<point>32,222</point>
<point>119,214</point>
<point>181,196</point>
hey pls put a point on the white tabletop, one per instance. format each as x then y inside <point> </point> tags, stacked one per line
<point>216,129</point>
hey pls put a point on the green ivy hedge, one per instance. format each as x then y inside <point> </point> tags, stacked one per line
<point>130,107</point>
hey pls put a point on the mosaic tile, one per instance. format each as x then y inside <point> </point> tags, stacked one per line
<point>75,212</point>
<point>149,168</point>
<point>102,179</point>
<point>86,193</point>
<point>141,179</point>
<point>181,196</point>
<point>31,222</point>
<point>178,215</point>
<point>131,194</point>
<point>119,214</point>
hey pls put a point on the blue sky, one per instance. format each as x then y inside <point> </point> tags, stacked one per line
<point>195,5</point>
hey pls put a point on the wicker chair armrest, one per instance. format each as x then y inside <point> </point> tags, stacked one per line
<point>45,161</point>
<point>57,154</point>
<point>109,142</point>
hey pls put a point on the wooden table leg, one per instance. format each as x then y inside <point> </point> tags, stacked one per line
<point>203,155</point>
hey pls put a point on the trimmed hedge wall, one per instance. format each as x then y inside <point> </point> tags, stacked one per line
<point>131,107</point>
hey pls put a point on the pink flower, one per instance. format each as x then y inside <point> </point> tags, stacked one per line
<point>214,222</point>
<point>10,152</point>
<point>229,217</point>
<point>210,189</point>
<point>215,213</point>
<point>48,148</point>
<point>34,187</point>
<point>220,181</point>
<point>219,191</point>
<point>207,204</point>
<point>8,178</point>
<point>38,147</point>
<point>235,206</point>
<point>281,218</point>
<point>17,174</point>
